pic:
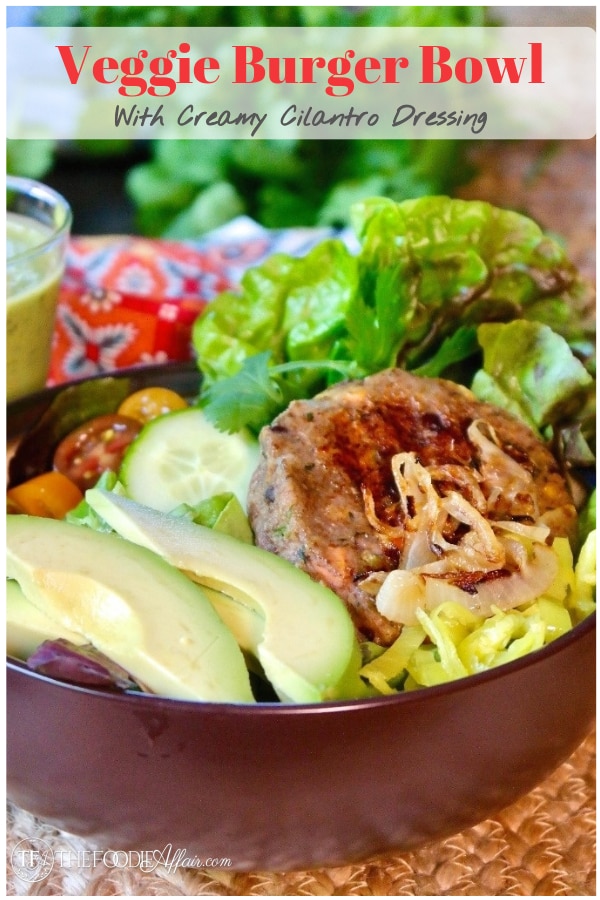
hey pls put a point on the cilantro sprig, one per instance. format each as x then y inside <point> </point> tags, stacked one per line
<point>259,390</point>
<point>377,319</point>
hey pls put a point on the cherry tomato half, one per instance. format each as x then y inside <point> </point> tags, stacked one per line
<point>95,447</point>
<point>150,403</point>
<point>50,496</point>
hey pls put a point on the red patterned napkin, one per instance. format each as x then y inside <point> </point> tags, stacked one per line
<point>129,301</point>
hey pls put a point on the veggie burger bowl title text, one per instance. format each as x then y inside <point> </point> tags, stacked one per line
<point>161,75</point>
<point>344,82</point>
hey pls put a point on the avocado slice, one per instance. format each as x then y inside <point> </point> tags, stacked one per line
<point>27,626</point>
<point>246,622</point>
<point>307,646</point>
<point>131,605</point>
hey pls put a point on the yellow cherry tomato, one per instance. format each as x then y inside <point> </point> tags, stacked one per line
<point>50,496</point>
<point>150,403</point>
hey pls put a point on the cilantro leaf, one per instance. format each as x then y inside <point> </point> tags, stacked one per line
<point>254,395</point>
<point>248,399</point>
<point>377,319</point>
<point>459,346</point>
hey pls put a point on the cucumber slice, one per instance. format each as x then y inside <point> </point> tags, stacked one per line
<point>182,458</point>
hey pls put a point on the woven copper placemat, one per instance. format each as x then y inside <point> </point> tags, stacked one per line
<point>542,845</point>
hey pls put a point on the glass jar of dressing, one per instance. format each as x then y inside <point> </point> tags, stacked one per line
<point>38,222</point>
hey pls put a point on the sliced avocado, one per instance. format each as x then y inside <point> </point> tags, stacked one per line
<point>27,626</point>
<point>246,622</point>
<point>307,646</point>
<point>131,605</point>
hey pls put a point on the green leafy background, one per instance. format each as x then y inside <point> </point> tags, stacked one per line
<point>185,188</point>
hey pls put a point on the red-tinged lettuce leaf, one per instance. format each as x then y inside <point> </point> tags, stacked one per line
<point>83,665</point>
<point>467,262</point>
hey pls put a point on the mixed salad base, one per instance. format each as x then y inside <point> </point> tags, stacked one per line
<point>440,287</point>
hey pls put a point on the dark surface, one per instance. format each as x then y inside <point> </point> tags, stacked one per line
<point>182,377</point>
<point>285,787</point>
<point>95,189</point>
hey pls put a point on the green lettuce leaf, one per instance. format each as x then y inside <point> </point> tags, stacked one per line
<point>295,308</point>
<point>222,512</point>
<point>531,371</point>
<point>83,514</point>
<point>467,262</point>
<point>428,272</point>
<point>587,519</point>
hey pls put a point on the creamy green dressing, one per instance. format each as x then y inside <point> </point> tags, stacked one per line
<point>32,281</point>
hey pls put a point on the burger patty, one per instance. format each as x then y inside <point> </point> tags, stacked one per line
<point>319,457</point>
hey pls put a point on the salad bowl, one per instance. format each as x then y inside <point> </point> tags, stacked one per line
<point>277,786</point>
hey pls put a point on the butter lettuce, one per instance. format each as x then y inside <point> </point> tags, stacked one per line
<point>587,518</point>
<point>466,262</point>
<point>530,370</point>
<point>222,512</point>
<point>427,275</point>
<point>295,308</point>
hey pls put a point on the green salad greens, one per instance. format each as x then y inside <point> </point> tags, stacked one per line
<point>531,371</point>
<point>439,286</point>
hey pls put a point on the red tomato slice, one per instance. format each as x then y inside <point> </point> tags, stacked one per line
<point>95,447</point>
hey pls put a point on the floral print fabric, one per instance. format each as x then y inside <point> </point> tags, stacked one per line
<point>128,301</point>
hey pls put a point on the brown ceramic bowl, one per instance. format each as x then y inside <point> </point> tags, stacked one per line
<point>277,787</point>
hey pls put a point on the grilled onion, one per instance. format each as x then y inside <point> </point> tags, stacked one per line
<point>471,535</point>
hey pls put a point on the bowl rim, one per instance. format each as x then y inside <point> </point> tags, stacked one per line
<point>189,368</point>
<point>270,708</point>
<point>162,371</point>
